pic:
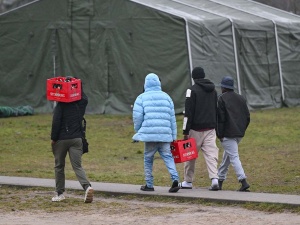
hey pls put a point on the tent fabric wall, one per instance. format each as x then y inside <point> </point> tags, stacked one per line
<point>288,30</point>
<point>255,51</point>
<point>113,44</point>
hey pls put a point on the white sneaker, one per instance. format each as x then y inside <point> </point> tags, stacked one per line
<point>185,185</point>
<point>58,198</point>
<point>89,194</point>
<point>214,185</point>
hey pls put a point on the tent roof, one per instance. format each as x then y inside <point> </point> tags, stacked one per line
<point>260,10</point>
<point>200,10</point>
<point>177,9</point>
<point>245,10</point>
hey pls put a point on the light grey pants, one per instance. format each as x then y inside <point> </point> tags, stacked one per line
<point>60,150</point>
<point>231,156</point>
<point>205,141</point>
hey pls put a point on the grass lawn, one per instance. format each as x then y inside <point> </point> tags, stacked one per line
<point>269,152</point>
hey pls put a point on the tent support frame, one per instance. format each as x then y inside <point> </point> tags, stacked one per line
<point>233,38</point>
<point>276,40</point>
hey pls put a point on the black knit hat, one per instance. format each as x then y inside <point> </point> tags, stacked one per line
<point>198,73</point>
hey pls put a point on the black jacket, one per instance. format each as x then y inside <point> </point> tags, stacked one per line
<point>201,106</point>
<point>233,115</point>
<point>67,119</point>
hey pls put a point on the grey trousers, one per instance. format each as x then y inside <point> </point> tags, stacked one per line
<point>206,141</point>
<point>231,156</point>
<point>60,150</point>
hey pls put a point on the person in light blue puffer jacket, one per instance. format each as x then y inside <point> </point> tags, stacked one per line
<point>155,125</point>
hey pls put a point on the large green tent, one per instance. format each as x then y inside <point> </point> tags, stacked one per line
<point>113,44</point>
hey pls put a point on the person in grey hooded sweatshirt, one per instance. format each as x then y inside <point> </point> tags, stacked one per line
<point>200,121</point>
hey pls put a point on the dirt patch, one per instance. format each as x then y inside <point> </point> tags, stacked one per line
<point>118,211</point>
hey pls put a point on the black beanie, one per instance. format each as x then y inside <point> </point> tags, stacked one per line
<point>198,73</point>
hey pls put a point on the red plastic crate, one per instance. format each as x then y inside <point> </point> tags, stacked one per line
<point>63,89</point>
<point>184,150</point>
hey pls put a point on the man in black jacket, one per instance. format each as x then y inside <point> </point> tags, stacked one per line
<point>233,120</point>
<point>66,136</point>
<point>200,120</point>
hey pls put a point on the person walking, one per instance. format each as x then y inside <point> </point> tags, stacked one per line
<point>233,120</point>
<point>155,125</point>
<point>66,133</point>
<point>200,120</point>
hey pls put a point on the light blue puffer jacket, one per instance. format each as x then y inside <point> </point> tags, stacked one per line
<point>153,113</point>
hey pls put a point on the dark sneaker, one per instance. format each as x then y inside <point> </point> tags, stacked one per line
<point>146,188</point>
<point>174,187</point>
<point>214,188</point>
<point>220,184</point>
<point>244,186</point>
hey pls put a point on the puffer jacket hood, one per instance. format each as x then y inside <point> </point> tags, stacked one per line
<point>153,113</point>
<point>152,83</point>
<point>206,84</point>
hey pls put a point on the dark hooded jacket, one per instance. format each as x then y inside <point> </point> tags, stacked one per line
<point>233,115</point>
<point>201,106</point>
<point>67,119</point>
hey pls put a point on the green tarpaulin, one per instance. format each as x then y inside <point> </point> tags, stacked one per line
<point>6,111</point>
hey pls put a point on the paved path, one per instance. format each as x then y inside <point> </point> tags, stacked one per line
<point>196,193</point>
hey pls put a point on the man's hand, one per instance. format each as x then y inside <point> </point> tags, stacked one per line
<point>53,142</point>
<point>185,137</point>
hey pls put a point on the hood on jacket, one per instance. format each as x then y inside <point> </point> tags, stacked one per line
<point>152,83</point>
<point>206,84</point>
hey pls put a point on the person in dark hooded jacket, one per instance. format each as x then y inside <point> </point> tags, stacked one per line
<point>233,121</point>
<point>200,120</point>
<point>66,133</point>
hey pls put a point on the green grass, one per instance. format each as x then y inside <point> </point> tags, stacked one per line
<point>269,152</point>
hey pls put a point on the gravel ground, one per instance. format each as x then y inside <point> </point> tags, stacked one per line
<point>119,211</point>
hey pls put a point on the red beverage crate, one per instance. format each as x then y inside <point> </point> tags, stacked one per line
<point>184,150</point>
<point>63,89</point>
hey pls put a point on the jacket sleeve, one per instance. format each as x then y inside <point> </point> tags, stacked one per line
<point>173,121</point>
<point>138,114</point>
<point>221,113</point>
<point>56,122</point>
<point>216,108</point>
<point>248,117</point>
<point>189,111</point>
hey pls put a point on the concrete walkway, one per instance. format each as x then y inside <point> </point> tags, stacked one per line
<point>195,193</point>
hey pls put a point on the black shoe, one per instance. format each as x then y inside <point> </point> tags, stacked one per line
<point>220,184</point>
<point>146,188</point>
<point>174,187</point>
<point>244,186</point>
<point>214,188</point>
